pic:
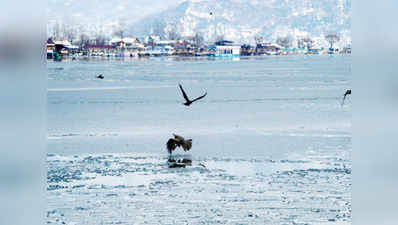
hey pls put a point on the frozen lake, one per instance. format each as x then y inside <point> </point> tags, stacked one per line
<point>271,133</point>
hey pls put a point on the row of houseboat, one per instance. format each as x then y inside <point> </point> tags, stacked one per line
<point>151,48</point>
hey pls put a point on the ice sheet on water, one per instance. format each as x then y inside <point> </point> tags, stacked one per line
<point>271,142</point>
<point>143,185</point>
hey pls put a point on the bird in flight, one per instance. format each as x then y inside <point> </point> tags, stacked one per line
<point>189,102</point>
<point>178,141</point>
<point>100,76</point>
<point>348,92</point>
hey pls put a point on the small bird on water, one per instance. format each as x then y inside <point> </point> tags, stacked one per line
<point>348,92</point>
<point>100,76</point>
<point>178,141</point>
<point>189,102</point>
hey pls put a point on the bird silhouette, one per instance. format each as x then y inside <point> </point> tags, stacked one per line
<point>189,102</point>
<point>178,141</point>
<point>100,76</point>
<point>348,92</point>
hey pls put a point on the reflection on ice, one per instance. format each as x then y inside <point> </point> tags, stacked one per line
<point>179,161</point>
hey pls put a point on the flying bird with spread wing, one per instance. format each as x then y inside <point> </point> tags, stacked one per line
<point>348,92</point>
<point>189,102</point>
<point>178,141</point>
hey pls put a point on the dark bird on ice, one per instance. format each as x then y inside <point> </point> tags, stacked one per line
<point>100,76</point>
<point>178,141</point>
<point>189,102</point>
<point>211,13</point>
<point>348,92</point>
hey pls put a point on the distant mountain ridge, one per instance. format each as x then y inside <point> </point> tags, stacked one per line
<point>241,21</point>
<point>236,20</point>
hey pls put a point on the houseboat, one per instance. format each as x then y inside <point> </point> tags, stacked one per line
<point>268,48</point>
<point>225,49</point>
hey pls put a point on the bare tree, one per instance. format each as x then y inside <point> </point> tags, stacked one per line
<point>119,29</point>
<point>258,39</point>
<point>300,43</point>
<point>100,39</point>
<point>119,33</point>
<point>308,42</point>
<point>220,38</point>
<point>198,39</point>
<point>332,38</point>
<point>172,33</point>
<point>83,37</point>
<point>131,31</point>
<point>57,31</point>
<point>69,33</point>
<point>285,42</point>
<point>99,36</point>
<point>158,28</point>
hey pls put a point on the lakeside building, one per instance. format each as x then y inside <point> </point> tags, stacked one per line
<point>57,49</point>
<point>183,48</point>
<point>201,51</point>
<point>65,47</point>
<point>99,50</point>
<point>156,51</point>
<point>156,47</point>
<point>247,50</point>
<point>133,47</point>
<point>346,50</point>
<point>333,51</point>
<point>267,48</point>
<point>164,47</point>
<point>151,40</point>
<point>291,51</point>
<point>127,47</point>
<point>316,50</point>
<point>224,48</point>
<point>50,48</point>
<point>164,43</point>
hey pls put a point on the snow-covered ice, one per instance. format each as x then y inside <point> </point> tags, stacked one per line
<point>271,142</point>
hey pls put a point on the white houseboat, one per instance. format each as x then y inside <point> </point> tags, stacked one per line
<point>226,49</point>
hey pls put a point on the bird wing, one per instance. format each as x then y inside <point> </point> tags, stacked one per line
<point>186,145</point>
<point>178,138</point>
<point>183,93</point>
<point>199,97</point>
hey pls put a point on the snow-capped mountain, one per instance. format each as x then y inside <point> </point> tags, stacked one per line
<point>236,20</point>
<point>96,16</point>
<point>242,20</point>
